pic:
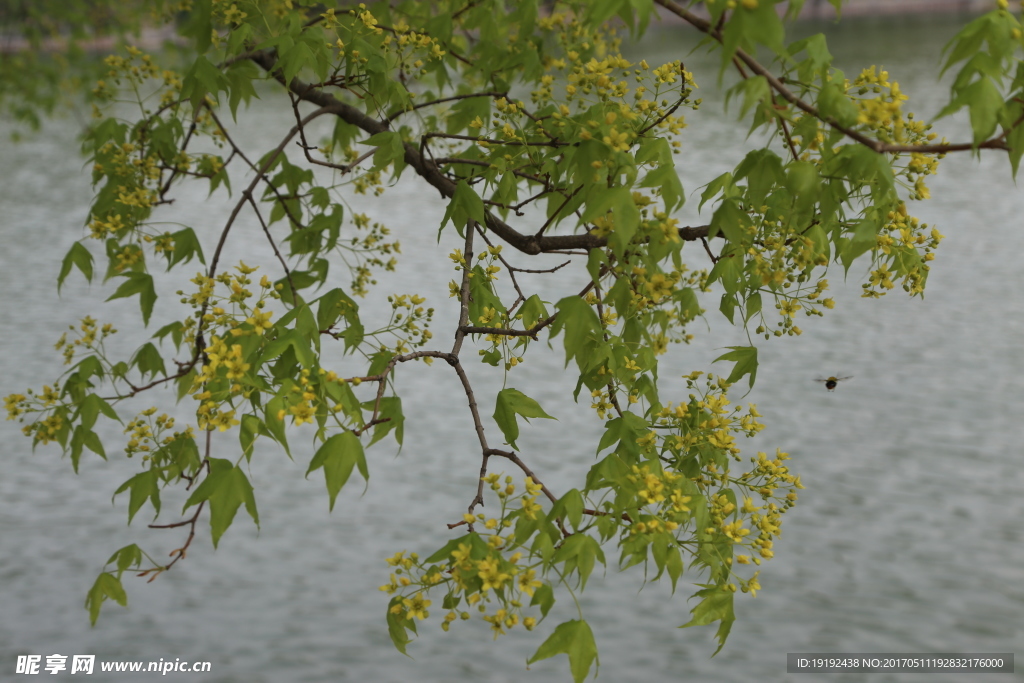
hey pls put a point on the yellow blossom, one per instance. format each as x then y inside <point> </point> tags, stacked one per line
<point>260,320</point>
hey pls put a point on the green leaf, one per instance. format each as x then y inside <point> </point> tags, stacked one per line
<point>834,104</point>
<point>623,432</point>
<point>200,25</point>
<point>717,605</point>
<point>722,183</point>
<point>394,420</point>
<point>1016,142</point>
<point>654,150</point>
<point>334,305</point>
<point>570,506</point>
<point>728,306</point>
<point>747,27</point>
<point>90,408</point>
<point>579,552</point>
<point>755,91</point>
<point>292,339</point>
<point>863,239</point>
<point>512,402</point>
<point>967,42</point>
<point>77,443</point>
<point>863,166</point>
<point>203,78</point>
<point>818,57</point>
<point>985,103</point>
<point>463,113</point>
<point>186,246</point>
<point>77,256</point>
<point>227,488</point>
<point>728,269</point>
<point>626,217</point>
<point>126,557</point>
<point>175,330</point>
<point>479,548</point>
<point>667,180</point>
<point>251,428</point>
<point>184,383</point>
<point>580,322</point>
<point>763,170</point>
<point>241,75</point>
<point>543,597</point>
<point>575,639</point>
<point>803,182</point>
<point>753,306</point>
<point>141,284</point>
<point>93,443</point>
<point>733,222</point>
<point>397,626</point>
<point>600,11</point>
<point>106,586</point>
<point>465,205</point>
<point>149,361</point>
<point>379,361</point>
<point>390,149</point>
<point>183,456</point>
<point>745,358</point>
<point>338,455</point>
<point>533,310</point>
<point>305,324</point>
<point>294,57</point>
<point>144,486</point>
<point>674,564</point>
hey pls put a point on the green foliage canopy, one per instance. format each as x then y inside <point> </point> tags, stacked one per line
<point>543,139</point>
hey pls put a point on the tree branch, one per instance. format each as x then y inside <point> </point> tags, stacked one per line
<point>429,171</point>
<point>875,145</point>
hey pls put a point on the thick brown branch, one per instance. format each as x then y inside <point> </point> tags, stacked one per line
<point>532,332</point>
<point>428,170</point>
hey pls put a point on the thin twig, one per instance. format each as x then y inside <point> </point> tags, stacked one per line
<point>273,245</point>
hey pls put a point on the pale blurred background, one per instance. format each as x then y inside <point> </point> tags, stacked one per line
<point>907,539</point>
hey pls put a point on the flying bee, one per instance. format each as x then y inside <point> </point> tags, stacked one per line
<point>830,382</point>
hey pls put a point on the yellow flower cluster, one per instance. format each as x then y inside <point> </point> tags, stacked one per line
<point>233,15</point>
<point>101,228</point>
<point>136,67</point>
<point>304,410</point>
<point>602,403</point>
<point>369,251</point>
<point>46,430</point>
<point>881,111</point>
<point>903,248</point>
<point>785,258</point>
<point>209,417</point>
<point>149,435</point>
<point>476,571</point>
<point>708,420</point>
<point>15,404</point>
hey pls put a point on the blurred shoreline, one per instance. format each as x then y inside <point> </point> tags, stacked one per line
<point>822,9</point>
<point>150,39</point>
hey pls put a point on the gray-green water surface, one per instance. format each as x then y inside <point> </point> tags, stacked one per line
<point>907,539</point>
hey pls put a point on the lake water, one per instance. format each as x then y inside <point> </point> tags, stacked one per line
<point>907,539</point>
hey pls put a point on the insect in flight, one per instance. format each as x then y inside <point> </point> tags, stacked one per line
<point>830,382</point>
